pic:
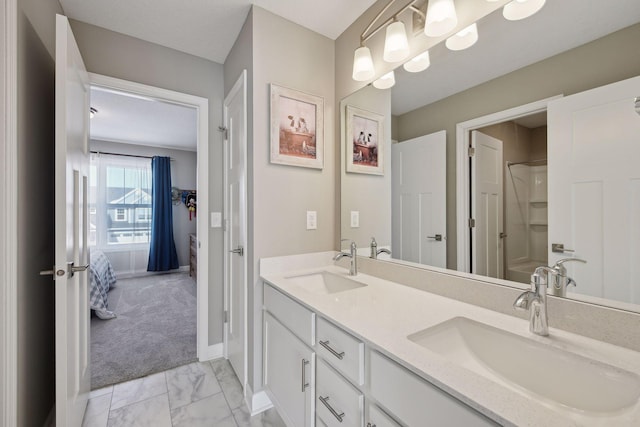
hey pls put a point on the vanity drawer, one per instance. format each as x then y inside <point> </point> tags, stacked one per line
<point>294,316</point>
<point>377,418</point>
<point>415,401</point>
<point>341,350</point>
<point>338,403</point>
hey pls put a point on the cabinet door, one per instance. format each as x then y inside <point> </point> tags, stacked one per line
<point>289,378</point>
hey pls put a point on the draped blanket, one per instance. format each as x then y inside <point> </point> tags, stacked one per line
<point>102,278</point>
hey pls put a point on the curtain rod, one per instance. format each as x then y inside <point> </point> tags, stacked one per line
<point>509,164</point>
<point>126,155</point>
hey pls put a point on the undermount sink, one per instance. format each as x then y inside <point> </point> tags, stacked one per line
<point>325,283</point>
<point>532,368</point>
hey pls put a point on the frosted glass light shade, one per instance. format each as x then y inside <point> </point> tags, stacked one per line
<point>463,39</point>
<point>386,81</point>
<point>419,63</point>
<point>362,64</point>
<point>441,18</point>
<point>521,9</point>
<point>396,45</point>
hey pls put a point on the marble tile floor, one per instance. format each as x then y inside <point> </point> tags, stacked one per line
<point>194,395</point>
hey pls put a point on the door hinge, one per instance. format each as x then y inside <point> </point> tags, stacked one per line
<point>225,133</point>
<point>226,317</point>
<point>472,222</point>
<point>472,151</point>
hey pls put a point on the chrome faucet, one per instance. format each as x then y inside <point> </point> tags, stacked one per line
<point>535,301</point>
<point>353,269</point>
<point>375,251</point>
<point>560,279</point>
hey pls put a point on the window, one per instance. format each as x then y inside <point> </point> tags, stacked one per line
<point>120,201</point>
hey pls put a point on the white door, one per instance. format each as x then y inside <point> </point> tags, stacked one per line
<point>486,206</point>
<point>594,188</point>
<point>236,226</point>
<point>418,191</point>
<point>71,215</point>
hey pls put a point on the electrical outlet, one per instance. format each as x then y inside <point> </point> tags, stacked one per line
<point>312,220</point>
<point>355,219</point>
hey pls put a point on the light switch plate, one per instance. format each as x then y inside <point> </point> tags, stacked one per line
<point>216,219</point>
<point>312,220</point>
<point>355,219</point>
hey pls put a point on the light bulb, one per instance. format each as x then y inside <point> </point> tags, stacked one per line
<point>362,64</point>
<point>396,45</point>
<point>521,9</point>
<point>386,81</point>
<point>419,63</point>
<point>441,18</point>
<point>463,39</point>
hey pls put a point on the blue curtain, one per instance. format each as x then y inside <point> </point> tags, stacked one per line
<point>162,249</point>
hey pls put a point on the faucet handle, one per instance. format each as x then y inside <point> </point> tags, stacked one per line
<point>563,260</point>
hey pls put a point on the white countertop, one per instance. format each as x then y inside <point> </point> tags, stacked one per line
<point>384,313</point>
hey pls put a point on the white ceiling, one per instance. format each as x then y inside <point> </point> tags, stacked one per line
<point>139,120</point>
<point>505,46</point>
<point>208,28</point>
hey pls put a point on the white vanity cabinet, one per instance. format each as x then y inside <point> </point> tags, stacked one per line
<point>347,375</point>
<point>289,361</point>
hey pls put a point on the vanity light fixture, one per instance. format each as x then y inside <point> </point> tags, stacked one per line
<point>463,39</point>
<point>441,18</point>
<point>418,63</point>
<point>386,81</point>
<point>520,9</point>
<point>396,45</point>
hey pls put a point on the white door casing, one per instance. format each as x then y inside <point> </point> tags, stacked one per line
<point>235,188</point>
<point>486,206</point>
<point>73,372</point>
<point>594,189</point>
<point>418,192</point>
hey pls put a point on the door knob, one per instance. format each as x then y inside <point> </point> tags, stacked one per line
<point>559,248</point>
<point>239,250</point>
<point>55,273</point>
<point>437,237</point>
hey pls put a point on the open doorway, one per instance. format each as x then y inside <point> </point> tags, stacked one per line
<point>502,192</point>
<point>519,238</point>
<point>145,321</point>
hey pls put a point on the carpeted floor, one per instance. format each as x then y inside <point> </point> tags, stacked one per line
<point>155,329</point>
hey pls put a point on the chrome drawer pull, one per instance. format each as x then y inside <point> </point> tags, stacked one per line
<point>325,401</point>
<point>304,374</point>
<point>326,345</point>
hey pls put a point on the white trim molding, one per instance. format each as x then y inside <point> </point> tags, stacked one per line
<point>202,107</point>
<point>258,402</point>
<point>463,206</point>
<point>9,216</point>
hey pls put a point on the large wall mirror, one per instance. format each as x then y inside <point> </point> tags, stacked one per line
<point>410,194</point>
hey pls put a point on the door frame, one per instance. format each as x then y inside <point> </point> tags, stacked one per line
<point>9,215</point>
<point>240,84</point>
<point>463,176</point>
<point>202,166</point>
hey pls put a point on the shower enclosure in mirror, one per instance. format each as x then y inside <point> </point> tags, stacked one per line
<point>507,203</point>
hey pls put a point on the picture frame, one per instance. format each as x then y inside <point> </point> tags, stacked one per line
<point>364,141</point>
<point>297,128</point>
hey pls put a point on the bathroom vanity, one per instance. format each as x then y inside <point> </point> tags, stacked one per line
<point>364,351</point>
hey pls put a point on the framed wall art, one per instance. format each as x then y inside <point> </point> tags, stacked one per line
<point>297,128</point>
<point>364,141</point>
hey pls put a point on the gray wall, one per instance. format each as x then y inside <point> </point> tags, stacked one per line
<point>183,176</point>
<point>279,196</point>
<point>36,113</point>
<point>610,59</point>
<point>116,55</point>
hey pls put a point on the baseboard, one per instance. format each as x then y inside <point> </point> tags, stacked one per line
<point>258,402</point>
<point>215,351</point>
<point>184,268</point>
